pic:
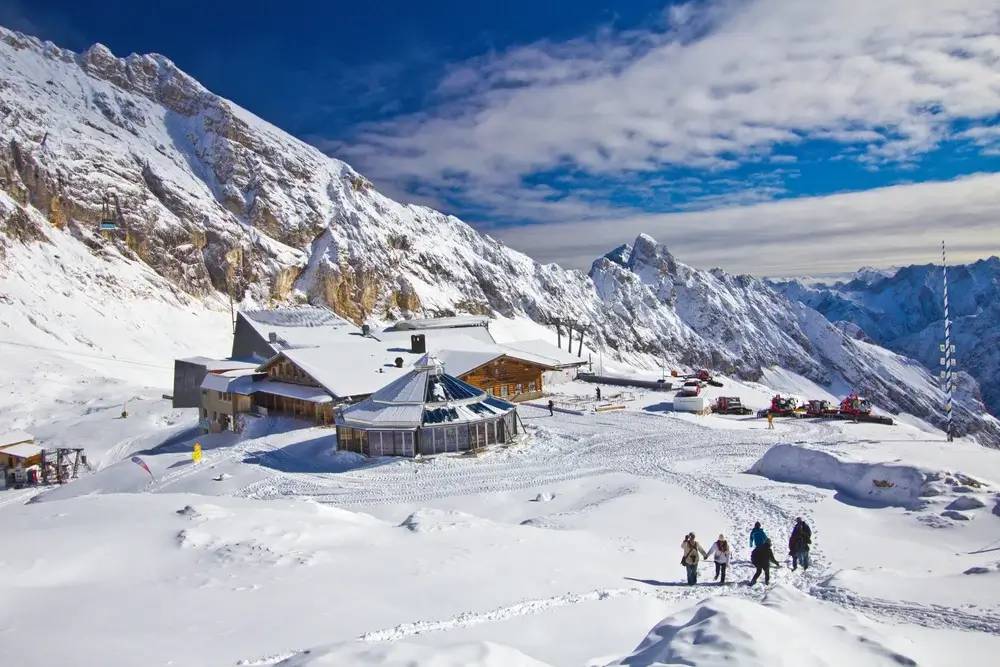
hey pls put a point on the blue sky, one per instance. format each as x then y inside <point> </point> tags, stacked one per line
<point>540,122</point>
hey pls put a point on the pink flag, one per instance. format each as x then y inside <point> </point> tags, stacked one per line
<point>138,461</point>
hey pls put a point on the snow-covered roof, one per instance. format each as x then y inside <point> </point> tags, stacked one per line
<point>300,327</point>
<point>289,390</point>
<point>543,353</point>
<point>22,451</point>
<point>441,323</point>
<point>237,382</point>
<point>14,437</point>
<point>460,362</point>
<point>216,365</point>
<point>425,395</point>
<point>364,365</point>
<point>348,369</point>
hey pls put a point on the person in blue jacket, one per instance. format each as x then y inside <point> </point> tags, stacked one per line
<point>757,535</point>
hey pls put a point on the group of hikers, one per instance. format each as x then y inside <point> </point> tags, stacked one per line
<point>761,556</point>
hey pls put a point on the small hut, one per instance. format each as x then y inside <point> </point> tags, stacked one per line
<point>425,411</point>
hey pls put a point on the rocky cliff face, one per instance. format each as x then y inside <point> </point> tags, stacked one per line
<point>217,201</point>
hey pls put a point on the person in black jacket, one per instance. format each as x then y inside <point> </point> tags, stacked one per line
<point>761,558</point>
<point>798,544</point>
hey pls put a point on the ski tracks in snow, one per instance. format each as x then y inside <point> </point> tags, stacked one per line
<point>643,445</point>
<point>931,616</point>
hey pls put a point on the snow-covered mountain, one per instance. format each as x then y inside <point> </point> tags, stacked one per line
<point>741,325</point>
<point>903,310</point>
<point>215,201</point>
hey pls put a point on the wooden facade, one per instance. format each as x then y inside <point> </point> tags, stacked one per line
<point>219,409</point>
<point>507,378</point>
<point>281,369</point>
<point>8,460</point>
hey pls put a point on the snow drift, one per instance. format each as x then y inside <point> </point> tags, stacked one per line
<point>787,629</point>
<point>885,483</point>
<point>407,654</point>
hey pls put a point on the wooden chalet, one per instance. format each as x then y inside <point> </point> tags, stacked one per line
<point>18,448</point>
<point>310,361</point>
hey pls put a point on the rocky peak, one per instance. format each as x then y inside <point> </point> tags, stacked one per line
<point>646,252</point>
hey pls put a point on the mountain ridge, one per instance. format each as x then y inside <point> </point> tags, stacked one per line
<point>904,312</point>
<point>220,202</point>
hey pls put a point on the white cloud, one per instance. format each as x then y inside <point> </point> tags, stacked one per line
<point>725,83</point>
<point>891,226</point>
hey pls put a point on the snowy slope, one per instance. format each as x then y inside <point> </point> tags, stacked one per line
<point>560,552</point>
<point>217,201</point>
<point>903,310</point>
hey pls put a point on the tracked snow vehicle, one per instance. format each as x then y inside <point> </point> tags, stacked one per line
<point>730,405</point>
<point>860,409</point>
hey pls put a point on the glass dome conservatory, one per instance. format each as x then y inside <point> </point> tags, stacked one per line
<point>428,412</point>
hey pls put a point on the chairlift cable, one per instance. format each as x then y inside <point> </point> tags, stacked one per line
<point>84,354</point>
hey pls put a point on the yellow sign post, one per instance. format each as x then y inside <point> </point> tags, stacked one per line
<point>196,454</point>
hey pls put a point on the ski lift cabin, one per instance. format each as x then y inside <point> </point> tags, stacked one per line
<point>110,217</point>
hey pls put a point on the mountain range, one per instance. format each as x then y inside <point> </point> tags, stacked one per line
<point>215,201</point>
<point>903,310</point>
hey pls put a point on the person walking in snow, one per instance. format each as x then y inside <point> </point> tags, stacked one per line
<point>798,544</point>
<point>762,558</point>
<point>551,406</point>
<point>720,548</point>
<point>770,421</point>
<point>690,559</point>
<point>757,535</point>
<point>598,393</point>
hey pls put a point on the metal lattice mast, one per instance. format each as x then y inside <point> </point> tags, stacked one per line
<point>947,348</point>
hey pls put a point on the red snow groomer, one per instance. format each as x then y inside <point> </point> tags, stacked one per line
<point>730,405</point>
<point>821,408</point>
<point>860,409</point>
<point>782,407</point>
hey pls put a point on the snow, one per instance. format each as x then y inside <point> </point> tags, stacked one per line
<point>348,369</point>
<point>812,635</point>
<point>405,654</point>
<point>14,437</point>
<point>544,353</point>
<point>301,392</point>
<point>212,195</point>
<point>441,323</point>
<point>231,381</point>
<point>301,327</point>
<point>453,559</point>
<point>560,550</point>
<point>879,483</point>
<point>21,451</point>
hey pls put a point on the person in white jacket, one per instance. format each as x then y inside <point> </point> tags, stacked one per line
<point>720,550</point>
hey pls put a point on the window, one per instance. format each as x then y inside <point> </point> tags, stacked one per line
<point>489,390</point>
<point>503,390</point>
<point>531,386</point>
<point>204,413</point>
<point>204,392</point>
<point>520,389</point>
